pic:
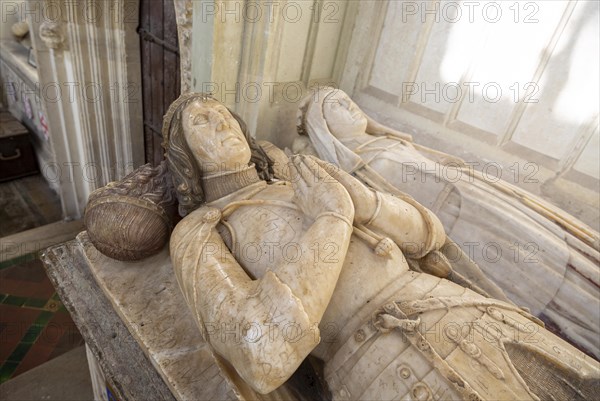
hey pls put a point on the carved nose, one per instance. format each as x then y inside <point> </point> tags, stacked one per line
<point>222,125</point>
<point>218,120</point>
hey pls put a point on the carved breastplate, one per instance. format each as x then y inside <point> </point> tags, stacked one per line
<point>263,236</point>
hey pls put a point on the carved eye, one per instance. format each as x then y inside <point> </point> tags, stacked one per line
<point>200,119</point>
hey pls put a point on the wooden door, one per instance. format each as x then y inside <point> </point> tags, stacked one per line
<point>160,70</point>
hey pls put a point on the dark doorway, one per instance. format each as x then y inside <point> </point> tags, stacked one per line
<point>160,70</point>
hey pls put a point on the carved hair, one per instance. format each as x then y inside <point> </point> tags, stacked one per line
<point>184,169</point>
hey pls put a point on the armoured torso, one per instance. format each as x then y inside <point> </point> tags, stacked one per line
<point>264,231</point>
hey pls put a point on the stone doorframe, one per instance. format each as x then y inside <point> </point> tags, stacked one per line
<point>88,57</point>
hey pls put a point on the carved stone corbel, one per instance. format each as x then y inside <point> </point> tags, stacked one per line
<point>51,34</point>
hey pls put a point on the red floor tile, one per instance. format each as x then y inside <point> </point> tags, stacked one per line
<point>26,280</point>
<point>14,322</point>
<point>59,330</point>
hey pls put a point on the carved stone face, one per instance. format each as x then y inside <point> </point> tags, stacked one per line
<point>214,137</point>
<point>343,116</point>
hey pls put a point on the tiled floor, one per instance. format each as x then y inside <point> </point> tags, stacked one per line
<point>34,325</point>
<point>27,203</point>
<point>64,378</point>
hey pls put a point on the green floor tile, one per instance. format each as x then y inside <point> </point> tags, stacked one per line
<point>24,346</point>
<point>14,300</point>
<point>35,303</point>
<point>32,333</point>
<point>6,370</point>
<point>19,353</point>
<point>44,318</point>
<point>37,327</point>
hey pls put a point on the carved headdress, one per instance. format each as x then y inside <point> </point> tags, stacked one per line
<point>175,110</point>
<point>185,171</point>
<point>311,121</point>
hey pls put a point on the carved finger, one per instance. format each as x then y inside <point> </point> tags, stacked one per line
<point>298,183</point>
<point>293,174</point>
<point>330,168</point>
<point>319,172</point>
<point>338,174</point>
<point>304,172</point>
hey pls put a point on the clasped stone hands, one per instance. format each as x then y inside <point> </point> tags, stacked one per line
<point>322,187</point>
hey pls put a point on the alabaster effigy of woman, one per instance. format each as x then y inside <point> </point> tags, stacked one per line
<point>318,265</point>
<point>540,256</point>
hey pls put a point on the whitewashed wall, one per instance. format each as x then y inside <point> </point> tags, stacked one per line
<point>510,82</point>
<point>260,58</point>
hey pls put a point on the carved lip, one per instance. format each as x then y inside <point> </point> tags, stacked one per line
<point>230,138</point>
<point>356,115</point>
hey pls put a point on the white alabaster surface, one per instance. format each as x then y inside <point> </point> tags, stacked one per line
<point>147,297</point>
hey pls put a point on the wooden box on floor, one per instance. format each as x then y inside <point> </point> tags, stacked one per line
<point>17,158</point>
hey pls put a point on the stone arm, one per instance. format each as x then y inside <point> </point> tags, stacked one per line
<point>414,228</point>
<point>265,327</point>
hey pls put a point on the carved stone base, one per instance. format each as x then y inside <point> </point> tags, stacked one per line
<point>136,322</point>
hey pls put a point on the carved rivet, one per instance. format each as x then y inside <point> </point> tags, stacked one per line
<point>495,313</point>
<point>360,335</point>
<point>423,345</point>
<point>452,332</point>
<point>211,216</point>
<point>421,392</point>
<point>471,349</point>
<point>403,372</point>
